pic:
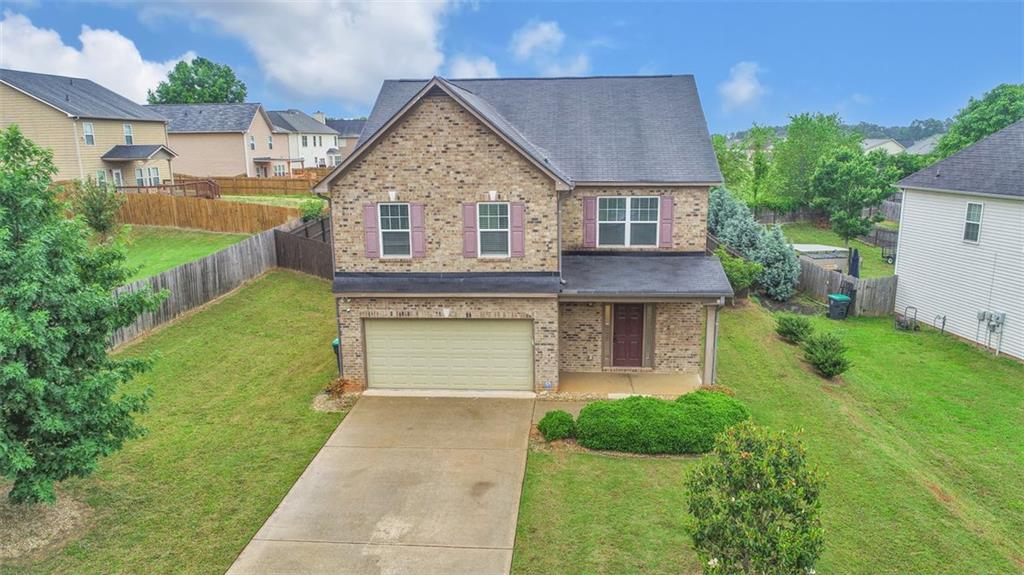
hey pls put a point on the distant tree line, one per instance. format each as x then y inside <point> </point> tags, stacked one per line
<point>905,135</point>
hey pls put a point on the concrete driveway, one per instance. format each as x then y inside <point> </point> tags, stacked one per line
<point>404,485</point>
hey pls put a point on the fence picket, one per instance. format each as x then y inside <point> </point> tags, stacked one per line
<point>201,213</point>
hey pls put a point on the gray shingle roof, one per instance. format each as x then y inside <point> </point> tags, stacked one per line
<point>644,275</point>
<point>348,128</point>
<point>600,129</point>
<point>78,96</point>
<point>135,152</point>
<point>924,146</point>
<point>207,117</point>
<point>298,121</point>
<point>994,165</point>
<point>497,282</point>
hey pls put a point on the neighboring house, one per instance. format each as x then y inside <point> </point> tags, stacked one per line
<point>887,145</point>
<point>492,234</point>
<point>310,140</point>
<point>961,245</point>
<point>348,135</point>
<point>225,140</point>
<point>925,146</point>
<point>92,131</point>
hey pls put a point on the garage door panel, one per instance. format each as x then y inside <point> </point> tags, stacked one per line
<point>449,354</point>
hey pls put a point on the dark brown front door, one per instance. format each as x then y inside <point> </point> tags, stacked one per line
<point>628,335</point>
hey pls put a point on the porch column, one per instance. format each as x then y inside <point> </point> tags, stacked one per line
<point>711,344</point>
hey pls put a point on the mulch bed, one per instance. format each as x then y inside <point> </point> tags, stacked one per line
<point>26,530</point>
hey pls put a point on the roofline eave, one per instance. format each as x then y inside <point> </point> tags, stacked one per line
<point>904,188</point>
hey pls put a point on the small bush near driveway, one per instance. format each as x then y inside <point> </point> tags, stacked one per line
<point>658,426</point>
<point>557,425</point>
<point>827,353</point>
<point>793,328</point>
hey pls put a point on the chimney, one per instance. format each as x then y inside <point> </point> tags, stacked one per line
<point>320,117</point>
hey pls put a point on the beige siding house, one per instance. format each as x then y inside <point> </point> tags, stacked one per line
<point>92,131</point>
<point>960,258</point>
<point>887,145</point>
<point>348,136</point>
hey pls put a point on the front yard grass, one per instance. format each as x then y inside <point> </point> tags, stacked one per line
<point>920,442</point>
<point>230,430</point>
<point>871,264</point>
<point>153,249</point>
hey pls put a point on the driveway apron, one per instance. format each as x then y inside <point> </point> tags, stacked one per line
<point>404,485</point>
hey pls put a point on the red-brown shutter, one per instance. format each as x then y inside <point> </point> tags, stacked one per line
<point>469,230</point>
<point>517,229</point>
<point>590,222</point>
<point>419,232</point>
<point>667,219</point>
<point>371,239</point>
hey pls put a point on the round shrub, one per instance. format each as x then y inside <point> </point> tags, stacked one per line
<point>827,353</point>
<point>652,426</point>
<point>312,209</point>
<point>793,328</point>
<point>556,425</point>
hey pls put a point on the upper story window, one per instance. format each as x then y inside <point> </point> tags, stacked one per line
<point>88,134</point>
<point>972,222</point>
<point>270,142</point>
<point>627,221</point>
<point>492,229</point>
<point>335,141</point>
<point>305,141</point>
<point>129,134</point>
<point>252,142</point>
<point>395,232</point>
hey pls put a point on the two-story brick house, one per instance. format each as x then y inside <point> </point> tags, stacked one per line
<point>492,234</point>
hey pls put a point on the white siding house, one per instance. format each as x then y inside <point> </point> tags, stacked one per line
<point>960,255</point>
<point>310,140</point>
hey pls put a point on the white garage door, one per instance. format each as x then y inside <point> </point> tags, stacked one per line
<point>449,354</point>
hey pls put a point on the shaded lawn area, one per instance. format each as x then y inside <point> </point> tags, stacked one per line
<point>871,264</point>
<point>920,442</point>
<point>230,430</point>
<point>292,201</point>
<point>154,249</point>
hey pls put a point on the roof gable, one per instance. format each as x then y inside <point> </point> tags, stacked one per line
<point>77,97</point>
<point>298,121</point>
<point>209,118</point>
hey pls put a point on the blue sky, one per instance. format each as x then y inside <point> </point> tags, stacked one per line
<point>886,63</point>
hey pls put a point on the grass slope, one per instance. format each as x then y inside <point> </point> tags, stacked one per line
<point>292,201</point>
<point>154,249</point>
<point>920,444</point>
<point>871,264</point>
<point>230,430</point>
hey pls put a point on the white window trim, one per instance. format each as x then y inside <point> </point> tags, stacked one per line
<point>304,140</point>
<point>629,222</point>
<point>380,231</point>
<point>140,177</point>
<point>117,177</point>
<point>981,218</point>
<point>150,176</point>
<point>507,230</point>
<point>129,132</point>
<point>270,142</point>
<point>88,131</point>
<point>252,142</point>
<point>101,177</point>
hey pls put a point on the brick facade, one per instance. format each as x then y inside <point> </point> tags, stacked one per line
<point>580,336</point>
<point>543,312</point>
<point>690,213</point>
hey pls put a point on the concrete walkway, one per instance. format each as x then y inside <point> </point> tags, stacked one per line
<point>404,485</point>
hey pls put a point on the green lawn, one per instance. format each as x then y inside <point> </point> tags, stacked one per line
<point>871,264</point>
<point>921,445</point>
<point>154,249</point>
<point>282,201</point>
<point>230,430</point>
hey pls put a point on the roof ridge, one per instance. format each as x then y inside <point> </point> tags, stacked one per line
<point>51,75</point>
<point>598,77</point>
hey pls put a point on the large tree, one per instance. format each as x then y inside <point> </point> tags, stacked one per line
<point>732,160</point>
<point>808,138</point>
<point>199,82</point>
<point>844,184</point>
<point>996,110</point>
<point>760,141</point>
<point>62,398</point>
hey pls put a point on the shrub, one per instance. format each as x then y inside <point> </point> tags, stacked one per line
<point>312,209</point>
<point>651,425</point>
<point>556,425</point>
<point>755,505</point>
<point>97,204</point>
<point>741,273</point>
<point>780,270</point>
<point>793,328</point>
<point>827,353</point>
<point>741,231</point>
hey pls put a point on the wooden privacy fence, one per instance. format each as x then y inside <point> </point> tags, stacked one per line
<point>282,186</point>
<point>315,174</point>
<point>201,213</point>
<point>191,188</point>
<point>306,255</point>
<point>875,296</point>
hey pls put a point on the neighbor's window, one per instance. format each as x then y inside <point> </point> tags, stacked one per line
<point>335,140</point>
<point>252,142</point>
<point>278,169</point>
<point>88,134</point>
<point>154,176</point>
<point>492,227</point>
<point>116,175</point>
<point>129,134</point>
<point>140,179</point>
<point>270,142</point>
<point>972,223</point>
<point>305,141</point>
<point>395,233</point>
<point>101,177</point>
<point>627,221</point>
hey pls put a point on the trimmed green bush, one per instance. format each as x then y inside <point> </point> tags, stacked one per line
<point>652,426</point>
<point>741,273</point>
<point>827,353</point>
<point>312,209</point>
<point>793,328</point>
<point>556,425</point>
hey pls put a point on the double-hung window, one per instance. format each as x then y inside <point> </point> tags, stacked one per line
<point>252,142</point>
<point>154,176</point>
<point>115,174</point>
<point>395,232</point>
<point>492,227</point>
<point>972,222</point>
<point>279,169</point>
<point>270,142</point>
<point>101,177</point>
<point>88,134</point>
<point>305,141</point>
<point>129,134</point>
<point>628,221</point>
<point>140,178</point>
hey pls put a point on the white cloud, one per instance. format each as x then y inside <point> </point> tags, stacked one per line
<point>743,88</point>
<point>468,67</point>
<point>332,49</point>
<point>106,57</point>
<point>577,66</point>
<point>537,38</point>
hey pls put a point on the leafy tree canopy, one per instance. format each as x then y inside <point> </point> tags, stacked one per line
<point>997,109</point>
<point>845,182</point>
<point>809,138</point>
<point>199,82</point>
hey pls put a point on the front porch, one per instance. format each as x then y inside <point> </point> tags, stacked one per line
<point>612,385</point>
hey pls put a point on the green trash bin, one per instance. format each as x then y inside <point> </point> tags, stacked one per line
<point>838,305</point>
<point>336,344</point>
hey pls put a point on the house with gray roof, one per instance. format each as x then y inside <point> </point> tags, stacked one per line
<point>92,131</point>
<point>925,145</point>
<point>349,131</point>
<point>226,140</point>
<point>887,145</point>
<point>960,256</point>
<point>309,138</point>
<point>528,235</point>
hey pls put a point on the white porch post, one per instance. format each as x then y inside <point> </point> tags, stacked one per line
<point>711,344</point>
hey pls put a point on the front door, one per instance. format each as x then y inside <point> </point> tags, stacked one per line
<point>628,335</point>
